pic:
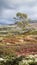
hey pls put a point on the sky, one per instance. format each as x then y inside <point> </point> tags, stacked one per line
<point>9,8</point>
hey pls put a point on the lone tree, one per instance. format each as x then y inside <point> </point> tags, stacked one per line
<point>22,22</point>
<point>21,19</point>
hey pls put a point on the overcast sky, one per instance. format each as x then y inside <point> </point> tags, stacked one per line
<point>8,9</point>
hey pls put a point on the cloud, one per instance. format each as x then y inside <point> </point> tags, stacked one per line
<point>8,8</point>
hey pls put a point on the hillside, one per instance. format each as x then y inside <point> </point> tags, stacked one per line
<point>10,39</point>
<point>16,29</point>
<point>18,43</point>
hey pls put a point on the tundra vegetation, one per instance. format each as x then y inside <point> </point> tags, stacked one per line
<point>18,42</point>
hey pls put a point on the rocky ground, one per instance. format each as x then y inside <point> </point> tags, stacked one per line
<point>21,45</point>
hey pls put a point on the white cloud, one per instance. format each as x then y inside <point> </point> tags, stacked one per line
<point>19,1</point>
<point>10,7</point>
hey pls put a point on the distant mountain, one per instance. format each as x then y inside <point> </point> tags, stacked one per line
<point>33,21</point>
<point>5,23</point>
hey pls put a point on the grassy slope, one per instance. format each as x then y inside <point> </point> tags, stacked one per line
<point>18,44</point>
